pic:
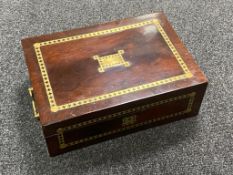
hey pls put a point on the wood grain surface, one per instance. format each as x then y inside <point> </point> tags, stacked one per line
<point>64,74</point>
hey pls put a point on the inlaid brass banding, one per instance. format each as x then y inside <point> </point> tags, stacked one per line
<point>54,107</point>
<point>127,124</point>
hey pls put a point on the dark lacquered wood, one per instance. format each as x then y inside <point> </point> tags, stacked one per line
<point>74,75</point>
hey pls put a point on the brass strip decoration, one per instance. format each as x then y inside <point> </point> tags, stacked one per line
<point>128,122</point>
<point>113,60</point>
<point>54,107</point>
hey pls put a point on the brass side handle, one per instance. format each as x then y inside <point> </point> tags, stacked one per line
<point>36,114</point>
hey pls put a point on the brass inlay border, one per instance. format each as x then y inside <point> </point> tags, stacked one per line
<point>112,60</point>
<point>60,131</point>
<point>54,107</point>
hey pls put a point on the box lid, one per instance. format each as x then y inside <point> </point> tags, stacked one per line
<point>90,69</point>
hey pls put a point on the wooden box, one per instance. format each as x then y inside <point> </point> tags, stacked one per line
<point>104,81</point>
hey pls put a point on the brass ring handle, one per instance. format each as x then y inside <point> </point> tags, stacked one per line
<point>36,114</point>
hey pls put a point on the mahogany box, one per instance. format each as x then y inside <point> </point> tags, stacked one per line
<point>100,82</point>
